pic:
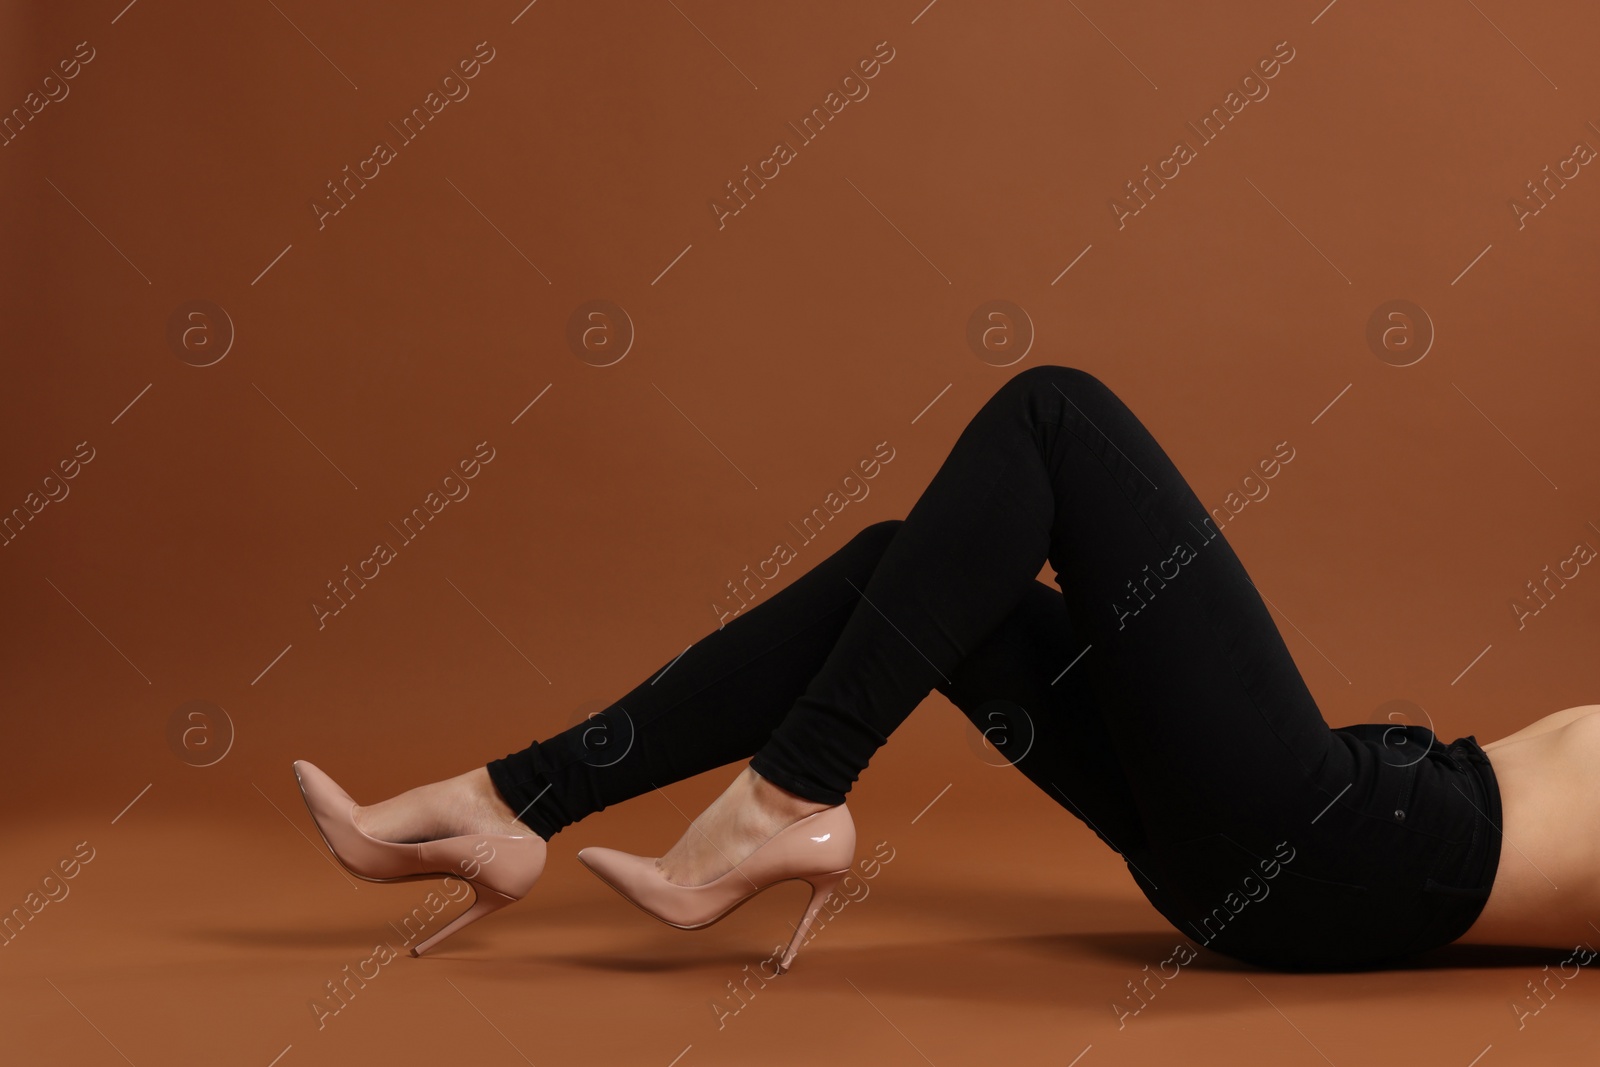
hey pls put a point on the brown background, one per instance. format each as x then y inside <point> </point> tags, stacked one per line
<point>770,355</point>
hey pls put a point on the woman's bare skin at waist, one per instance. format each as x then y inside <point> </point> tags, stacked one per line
<point>1546,890</point>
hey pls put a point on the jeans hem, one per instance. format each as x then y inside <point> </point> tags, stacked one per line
<point>512,792</point>
<point>798,786</point>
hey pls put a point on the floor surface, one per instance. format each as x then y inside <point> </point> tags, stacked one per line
<point>213,933</point>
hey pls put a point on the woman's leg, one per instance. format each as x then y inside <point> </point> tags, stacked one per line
<point>1203,704</point>
<point>1261,831</point>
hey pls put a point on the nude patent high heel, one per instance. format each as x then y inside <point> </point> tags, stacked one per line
<point>501,868</point>
<point>817,849</point>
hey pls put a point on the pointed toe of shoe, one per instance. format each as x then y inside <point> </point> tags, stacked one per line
<point>620,869</point>
<point>637,879</point>
<point>322,793</point>
<point>333,811</point>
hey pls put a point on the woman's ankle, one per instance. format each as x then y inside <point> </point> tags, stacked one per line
<point>489,804</point>
<point>468,803</point>
<point>777,800</point>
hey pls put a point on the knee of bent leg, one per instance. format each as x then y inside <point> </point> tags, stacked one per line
<point>1072,381</point>
<point>877,535</point>
<point>871,541</point>
<point>1049,387</point>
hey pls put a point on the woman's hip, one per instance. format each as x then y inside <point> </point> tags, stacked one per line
<point>1399,862</point>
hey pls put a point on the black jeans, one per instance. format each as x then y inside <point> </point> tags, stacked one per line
<point>1152,696</point>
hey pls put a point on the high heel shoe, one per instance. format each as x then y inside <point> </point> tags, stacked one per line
<point>501,868</point>
<point>817,849</point>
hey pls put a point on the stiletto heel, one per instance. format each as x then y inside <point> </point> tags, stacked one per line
<point>822,888</point>
<point>818,849</point>
<point>501,868</point>
<point>487,901</point>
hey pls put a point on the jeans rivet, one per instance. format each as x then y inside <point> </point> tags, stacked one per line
<point>1400,814</point>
